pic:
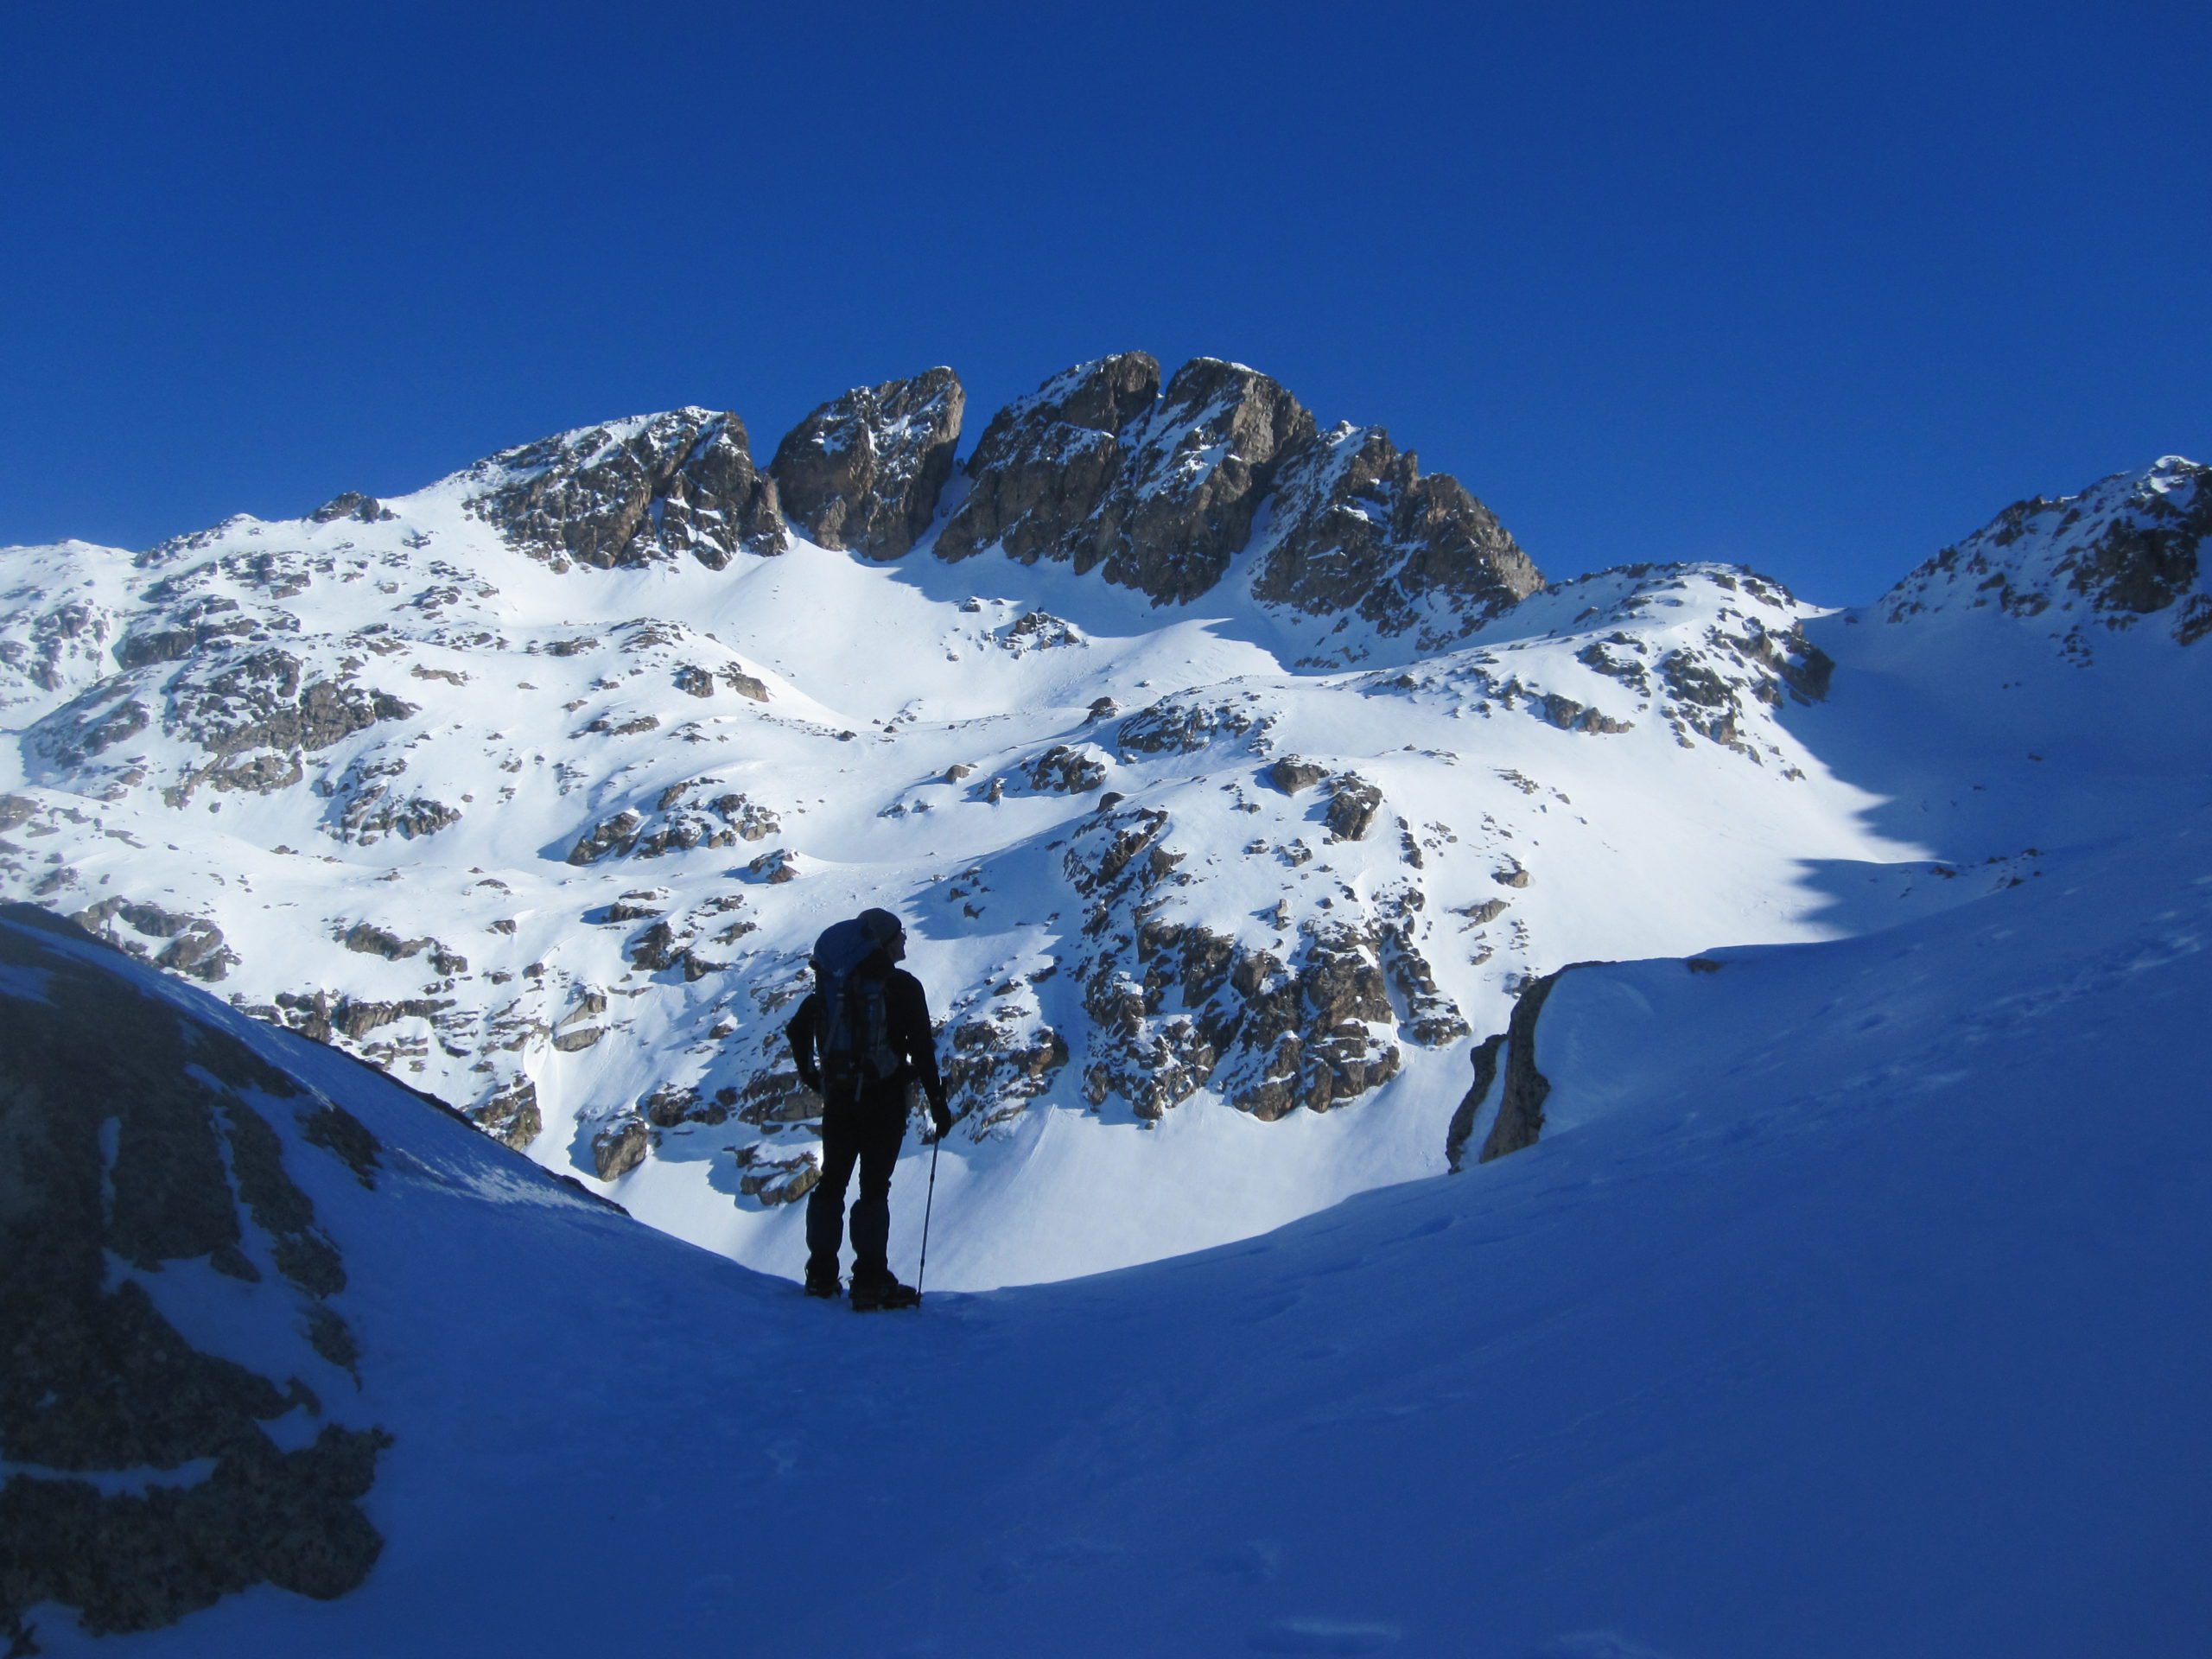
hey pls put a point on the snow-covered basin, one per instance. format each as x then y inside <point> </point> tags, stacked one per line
<point>1072,1196</point>
<point>1855,1302</point>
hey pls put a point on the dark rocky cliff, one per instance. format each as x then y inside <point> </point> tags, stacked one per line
<point>1161,487</point>
<point>149,1478</point>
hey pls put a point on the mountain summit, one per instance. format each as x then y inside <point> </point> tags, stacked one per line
<point>1160,489</point>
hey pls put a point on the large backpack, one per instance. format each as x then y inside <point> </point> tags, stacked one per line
<point>854,1032</point>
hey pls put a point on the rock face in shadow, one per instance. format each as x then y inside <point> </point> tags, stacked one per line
<point>139,1150</point>
<point>865,472</point>
<point>1159,488</point>
<point>1461,1129</point>
<point>635,492</point>
<point>1520,1119</point>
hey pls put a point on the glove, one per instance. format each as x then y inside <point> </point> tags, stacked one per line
<point>941,1116</point>
<point>811,1078</point>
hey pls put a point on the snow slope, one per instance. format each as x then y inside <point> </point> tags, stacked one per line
<point>1853,1302</point>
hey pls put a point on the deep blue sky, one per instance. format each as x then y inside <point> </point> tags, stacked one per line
<point>1820,292</point>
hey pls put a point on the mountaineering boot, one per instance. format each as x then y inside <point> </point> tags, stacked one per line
<point>871,1295</point>
<point>825,1285</point>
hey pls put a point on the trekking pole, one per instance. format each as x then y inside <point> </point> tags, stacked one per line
<point>922,1271</point>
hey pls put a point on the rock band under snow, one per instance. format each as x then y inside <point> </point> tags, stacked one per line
<point>860,1038</point>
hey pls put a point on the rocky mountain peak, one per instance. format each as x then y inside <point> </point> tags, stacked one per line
<point>1106,394</point>
<point>1356,528</point>
<point>1046,460</point>
<point>633,492</point>
<point>1159,487</point>
<point>1157,484</point>
<point>864,471</point>
<point>1201,463</point>
<point>2128,549</point>
<point>384,786</point>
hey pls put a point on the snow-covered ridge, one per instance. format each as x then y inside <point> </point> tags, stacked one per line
<point>534,786</point>
<point>2128,549</point>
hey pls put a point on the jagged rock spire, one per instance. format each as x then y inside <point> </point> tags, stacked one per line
<point>864,471</point>
<point>1159,488</point>
<point>1046,460</point>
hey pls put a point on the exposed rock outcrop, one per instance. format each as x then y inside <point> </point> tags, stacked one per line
<point>1353,803</point>
<point>256,700</point>
<point>1185,723</point>
<point>1521,1101</point>
<point>1158,488</point>
<point>1037,631</point>
<point>175,634</point>
<point>1360,531</point>
<point>680,824</point>
<point>633,492</point>
<point>1063,770</point>
<point>253,707</point>
<point>656,948</point>
<point>1175,1006</point>
<point>98,1382</point>
<point>775,868</point>
<point>189,944</point>
<point>621,1147</point>
<point>509,1114</point>
<point>775,1180</point>
<point>993,1066</point>
<point>1160,500</point>
<point>2129,546</point>
<point>616,833</point>
<point>1198,466</point>
<point>361,509</point>
<point>372,940</point>
<point>1045,461</point>
<point>1461,1129</point>
<point>865,471</point>
<point>53,640</point>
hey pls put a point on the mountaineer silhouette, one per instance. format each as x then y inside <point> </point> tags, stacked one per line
<point>860,1038</point>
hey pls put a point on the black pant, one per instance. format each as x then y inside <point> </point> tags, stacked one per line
<point>866,1131</point>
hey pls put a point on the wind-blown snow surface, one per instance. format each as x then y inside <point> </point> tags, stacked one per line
<point>1854,1303</point>
<point>493,717</point>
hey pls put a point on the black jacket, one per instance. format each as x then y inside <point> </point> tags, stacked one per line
<point>907,1011</point>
